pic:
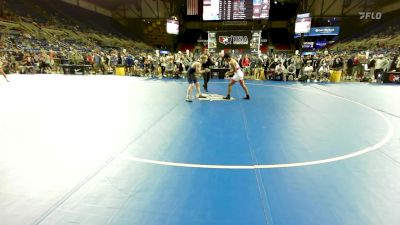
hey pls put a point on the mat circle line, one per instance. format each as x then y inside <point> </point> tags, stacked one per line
<point>376,146</point>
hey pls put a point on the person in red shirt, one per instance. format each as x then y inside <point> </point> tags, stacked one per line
<point>245,63</point>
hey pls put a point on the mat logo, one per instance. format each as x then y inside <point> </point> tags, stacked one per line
<point>233,40</point>
<point>370,15</point>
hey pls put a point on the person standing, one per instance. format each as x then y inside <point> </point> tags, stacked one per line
<point>2,71</point>
<point>349,68</point>
<point>257,67</point>
<point>238,76</point>
<point>163,65</point>
<point>380,67</point>
<point>245,63</point>
<point>206,65</point>
<point>298,62</point>
<point>192,80</point>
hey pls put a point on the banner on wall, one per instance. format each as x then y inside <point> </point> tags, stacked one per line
<point>308,44</point>
<point>233,39</point>
<point>321,44</point>
<point>212,42</point>
<point>321,31</point>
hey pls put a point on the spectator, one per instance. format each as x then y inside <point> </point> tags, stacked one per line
<point>371,66</point>
<point>279,70</point>
<point>337,63</point>
<point>349,68</point>
<point>380,67</point>
<point>97,63</point>
<point>170,66</point>
<point>291,72</point>
<point>324,72</point>
<point>257,67</point>
<point>307,73</point>
<point>163,64</point>
<point>245,64</point>
<point>298,61</point>
<point>1,69</point>
<point>129,64</point>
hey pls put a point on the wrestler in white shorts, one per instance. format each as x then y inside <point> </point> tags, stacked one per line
<point>238,75</point>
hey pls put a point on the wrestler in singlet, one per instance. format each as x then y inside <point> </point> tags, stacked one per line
<point>191,77</point>
<point>238,76</point>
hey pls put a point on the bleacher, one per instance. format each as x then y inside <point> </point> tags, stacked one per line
<point>375,34</point>
<point>46,13</point>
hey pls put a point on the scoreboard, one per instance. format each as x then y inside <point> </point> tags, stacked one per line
<point>235,9</point>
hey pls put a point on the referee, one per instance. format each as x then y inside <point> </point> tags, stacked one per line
<point>206,65</point>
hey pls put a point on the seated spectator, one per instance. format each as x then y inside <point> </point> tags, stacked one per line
<point>324,72</point>
<point>398,64</point>
<point>307,73</point>
<point>170,67</point>
<point>291,72</point>
<point>337,63</point>
<point>279,70</point>
<point>180,68</point>
<point>44,62</point>
<point>28,65</point>
<point>19,57</point>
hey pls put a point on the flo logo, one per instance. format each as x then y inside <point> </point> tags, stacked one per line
<point>233,40</point>
<point>370,15</point>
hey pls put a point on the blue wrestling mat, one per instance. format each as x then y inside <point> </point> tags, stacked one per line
<point>98,150</point>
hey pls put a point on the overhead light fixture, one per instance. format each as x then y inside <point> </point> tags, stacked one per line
<point>276,2</point>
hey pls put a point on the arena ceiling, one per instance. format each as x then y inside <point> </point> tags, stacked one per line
<point>165,8</point>
<point>112,4</point>
<point>118,4</point>
<point>149,15</point>
<point>347,8</point>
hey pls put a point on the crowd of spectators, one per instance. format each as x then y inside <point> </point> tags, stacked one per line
<point>24,55</point>
<point>25,52</point>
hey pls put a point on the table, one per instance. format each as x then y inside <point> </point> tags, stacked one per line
<point>73,69</point>
<point>220,71</point>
